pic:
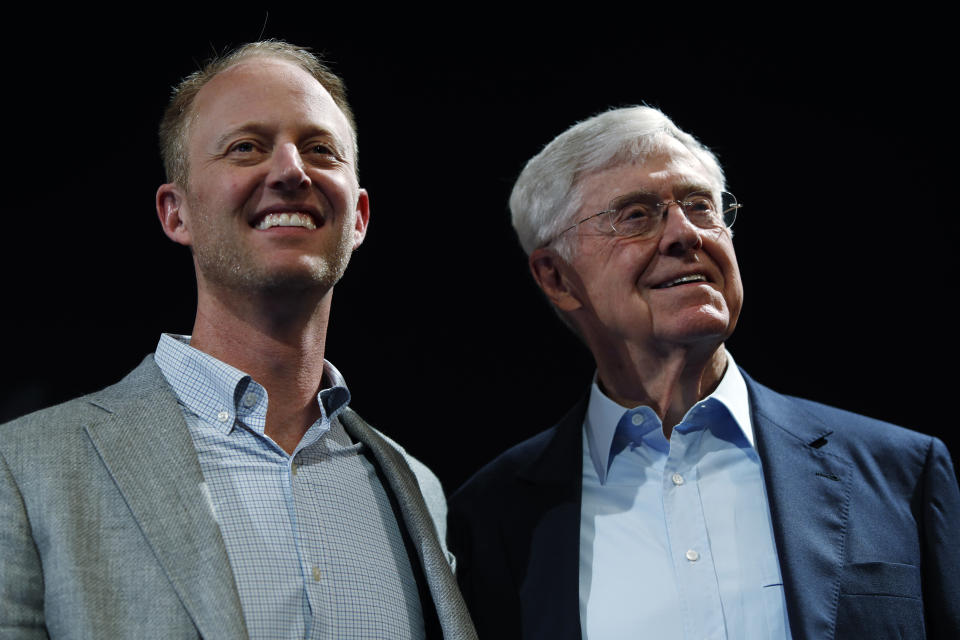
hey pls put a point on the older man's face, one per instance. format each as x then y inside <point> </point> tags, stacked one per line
<point>272,199</point>
<point>681,288</point>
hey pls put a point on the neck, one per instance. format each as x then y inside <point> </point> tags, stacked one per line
<point>279,340</point>
<point>668,383</point>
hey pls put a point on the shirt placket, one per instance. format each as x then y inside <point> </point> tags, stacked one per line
<point>309,536</point>
<point>689,542</point>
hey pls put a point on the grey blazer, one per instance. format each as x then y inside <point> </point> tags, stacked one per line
<point>105,532</point>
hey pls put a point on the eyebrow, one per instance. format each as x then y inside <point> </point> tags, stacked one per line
<point>247,128</point>
<point>633,196</point>
<point>259,129</point>
<point>686,188</point>
<point>680,189</point>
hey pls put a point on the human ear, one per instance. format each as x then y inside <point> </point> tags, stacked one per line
<point>170,202</point>
<point>550,272</point>
<point>362,218</point>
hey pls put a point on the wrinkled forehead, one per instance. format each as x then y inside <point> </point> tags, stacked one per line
<point>669,171</point>
<point>666,160</point>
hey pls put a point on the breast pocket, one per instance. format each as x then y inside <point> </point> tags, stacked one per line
<point>880,600</point>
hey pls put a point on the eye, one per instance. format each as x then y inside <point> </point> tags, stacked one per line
<point>323,149</point>
<point>242,147</point>
<point>700,203</point>
<point>245,150</point>
<point>635,211</point>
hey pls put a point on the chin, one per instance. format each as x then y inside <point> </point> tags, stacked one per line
<point>704,326</point>
<point>319,278</point>
<point>299,279</point>
<point>304,272</point>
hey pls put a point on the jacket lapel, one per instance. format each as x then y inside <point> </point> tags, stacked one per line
<point>451,609</point>
<point>144,442</point>
<point>547,562</point>
<point>808,488</point>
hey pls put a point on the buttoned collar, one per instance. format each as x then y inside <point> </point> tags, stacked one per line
<point>218,393</point>
<point>603,415</point>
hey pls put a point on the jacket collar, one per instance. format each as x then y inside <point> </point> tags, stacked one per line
<point>808,489</point>
<point>144,442</point>
<point>451,609</point>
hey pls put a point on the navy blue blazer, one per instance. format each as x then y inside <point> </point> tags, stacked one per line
<point>866,518</point>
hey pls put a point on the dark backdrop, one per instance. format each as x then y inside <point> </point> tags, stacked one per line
<point>836,138</point>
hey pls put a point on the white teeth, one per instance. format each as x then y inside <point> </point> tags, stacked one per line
<point>683,280</point>
<point>286,220</point>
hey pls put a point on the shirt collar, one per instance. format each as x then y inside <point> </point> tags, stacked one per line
<point>216,392</point>
<point>603,414</point>
<point>732,392</point>
<point>335,396</point>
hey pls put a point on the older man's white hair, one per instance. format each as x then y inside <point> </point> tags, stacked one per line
<point>546,196</point>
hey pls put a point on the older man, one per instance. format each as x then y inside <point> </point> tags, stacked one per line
<point>225,488</point>
<point>679,498</point>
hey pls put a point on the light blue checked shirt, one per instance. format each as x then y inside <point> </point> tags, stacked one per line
<point>675,535</point>
<point>313,541</point>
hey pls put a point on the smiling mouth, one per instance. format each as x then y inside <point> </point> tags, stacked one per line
<point>682,280</point>
<point>272,220</point>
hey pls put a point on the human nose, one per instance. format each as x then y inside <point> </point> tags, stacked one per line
<point>679,234</point>
<point>287,172</point>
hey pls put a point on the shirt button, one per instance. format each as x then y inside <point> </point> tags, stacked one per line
<point>677,479</point>
<point>316,574</point>
<point>223,416</point>
<point>294,467</point>
<point>692,555</point>
<point>249,399</point>
<point>636,419</point>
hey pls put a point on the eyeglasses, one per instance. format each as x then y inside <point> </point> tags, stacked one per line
<point>642,216</point>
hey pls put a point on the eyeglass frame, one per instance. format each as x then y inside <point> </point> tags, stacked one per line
<point>663,207</point>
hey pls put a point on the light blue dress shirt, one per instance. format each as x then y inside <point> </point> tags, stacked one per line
<point>675,535</point>
<point>312,538</point>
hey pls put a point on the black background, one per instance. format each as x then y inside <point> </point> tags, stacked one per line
<point>838,139</point>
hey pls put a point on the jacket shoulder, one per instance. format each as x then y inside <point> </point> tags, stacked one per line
<point>505,467</point>
<point>858,424</point>
<point>549,458</point>
<point>786,410</point>
<point>430,485</point>
<point>867,441</point>
<point>59,420</point>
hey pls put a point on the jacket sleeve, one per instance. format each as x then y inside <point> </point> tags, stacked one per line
<point>941,554</point>
<point>21,575</point>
